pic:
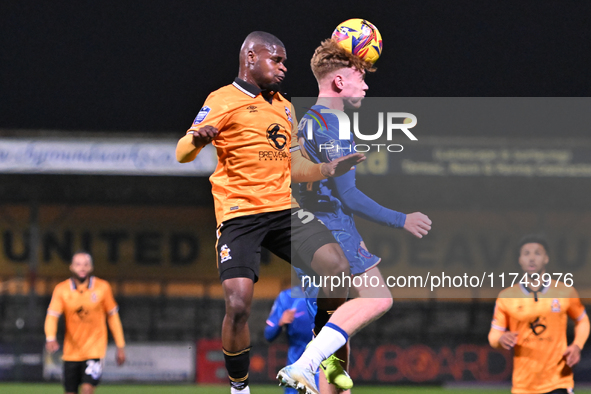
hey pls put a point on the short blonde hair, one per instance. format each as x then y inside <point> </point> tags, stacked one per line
<point>330,56</point>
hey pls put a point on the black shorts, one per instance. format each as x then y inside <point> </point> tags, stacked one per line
<point>561,391</point>
<point>289,233</point>
<point>78,372</point>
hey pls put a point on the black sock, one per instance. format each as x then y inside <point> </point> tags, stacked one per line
<point>237,364</point>
<point>321,319</point>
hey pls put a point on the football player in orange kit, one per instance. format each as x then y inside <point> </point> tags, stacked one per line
<point>87,303</point>
<point>251,124</point>
<point>532,320</point>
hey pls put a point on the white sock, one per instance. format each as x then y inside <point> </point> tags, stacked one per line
<point>330,339</point>
<point>245,390</point>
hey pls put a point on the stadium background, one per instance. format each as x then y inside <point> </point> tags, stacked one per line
<point>121,71</point>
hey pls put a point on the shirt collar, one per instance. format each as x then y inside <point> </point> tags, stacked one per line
<point>89,286</point>
<point>526,290</point>
<point>250,89</point>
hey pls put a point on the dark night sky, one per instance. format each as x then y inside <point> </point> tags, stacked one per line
<point>148,65</point>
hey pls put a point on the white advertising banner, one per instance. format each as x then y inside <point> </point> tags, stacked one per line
<point>155,362</point>
<point>100,156</point>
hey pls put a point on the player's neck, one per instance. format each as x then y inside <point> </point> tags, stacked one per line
<point>79,282</point>
<point>330,101</point>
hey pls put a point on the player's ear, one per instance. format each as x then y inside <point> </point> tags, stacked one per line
<point>339,82</point>
<point>251,58</point>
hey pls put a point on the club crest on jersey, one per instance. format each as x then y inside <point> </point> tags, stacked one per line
<point>555,305</point>
<point>225,253</point>
<point>93,297</point>
<point>288,113</point>
<point>202,115</point>
<point>334,151</point>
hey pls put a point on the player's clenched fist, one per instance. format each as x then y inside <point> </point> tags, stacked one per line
<point>52,346</point>
<point>508,340</point>
<point>418,224</point>
<point>204,136</point>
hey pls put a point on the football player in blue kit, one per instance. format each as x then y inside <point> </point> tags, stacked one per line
<point>290,311</point>
<point>335,201</point>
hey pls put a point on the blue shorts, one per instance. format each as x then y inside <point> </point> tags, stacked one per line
<point>344,231</point>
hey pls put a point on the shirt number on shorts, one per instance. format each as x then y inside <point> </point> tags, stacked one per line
<point>94,369</point>
<point>304,216</point>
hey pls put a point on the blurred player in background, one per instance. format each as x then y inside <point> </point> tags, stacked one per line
<point>290,311</point>
<point>532,319</point>
<point>334,201</point>
<point>250,123</point>
<point>87,303</point>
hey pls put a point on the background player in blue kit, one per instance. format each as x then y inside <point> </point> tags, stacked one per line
<point>290,311</point>
<point>335,201</point>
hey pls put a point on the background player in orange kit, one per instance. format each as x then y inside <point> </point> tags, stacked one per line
<point>532,319</point>
<point>87,303</point>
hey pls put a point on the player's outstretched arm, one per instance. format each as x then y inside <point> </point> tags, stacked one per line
<point>418,224</point>
<point>357,202</point>
<point>191,144</point>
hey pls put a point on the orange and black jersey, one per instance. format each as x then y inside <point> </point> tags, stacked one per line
<point>541,321</point>
<point>253,171</point>
<point>85,309</point>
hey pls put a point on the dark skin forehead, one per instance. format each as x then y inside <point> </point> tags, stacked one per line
<point>270,50</point>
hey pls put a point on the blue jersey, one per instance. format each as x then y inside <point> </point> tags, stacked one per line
<point>335,199</point>
<point>299,332</point>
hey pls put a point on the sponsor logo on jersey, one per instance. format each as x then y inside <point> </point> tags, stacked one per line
<point>277,136</point>
<point>538,326</point>
<point>81,312</point>
<point>225,253</point>
<point>252,108</point>
<point>202,115</point>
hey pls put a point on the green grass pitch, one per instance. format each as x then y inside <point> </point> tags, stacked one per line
<point>41,388</point>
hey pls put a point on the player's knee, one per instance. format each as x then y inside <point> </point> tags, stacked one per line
<point>384,303</point>
<point>237,310</point>
<point>86,388</point>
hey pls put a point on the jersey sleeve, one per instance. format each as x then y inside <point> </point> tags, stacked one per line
<point>302,168</point>
<point>54,311</point>
<point>500,320</point>
<point>324,145</point>
<point>215,112</point>
<point>355,201</point>
<point>56,305</point>
<point>109,304</point>
<point>272,327</point>
<point>576,310</point>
